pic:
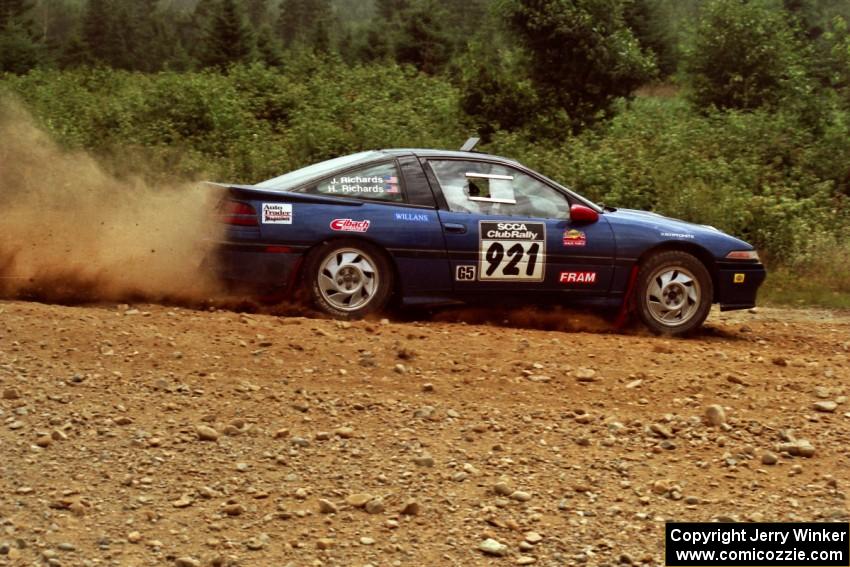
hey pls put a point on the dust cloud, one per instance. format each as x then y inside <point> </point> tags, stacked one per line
<point>553,318</point>
<point>70,231</point>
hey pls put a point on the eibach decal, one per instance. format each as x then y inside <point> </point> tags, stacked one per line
<point>349,225</point>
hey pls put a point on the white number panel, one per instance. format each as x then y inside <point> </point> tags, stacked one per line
<point>511,251</point>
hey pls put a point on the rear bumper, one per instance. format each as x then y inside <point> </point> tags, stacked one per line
<point>738,284</point>
<point>257,267</point>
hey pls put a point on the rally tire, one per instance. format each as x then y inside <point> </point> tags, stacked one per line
<point>674,293</point>
<point>348,279</point>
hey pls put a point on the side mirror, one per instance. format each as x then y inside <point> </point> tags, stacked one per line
<point>583,215</point>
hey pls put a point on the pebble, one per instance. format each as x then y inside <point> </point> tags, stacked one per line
<point>134,537</point>
<point>427,387</point>
<point>358,500</point>
<point>769,458</point>
<point>798,448</point>
<point>492,547</point>
<point>187,562</point>
<point>424,461</point>
<point>825,407</point>
<point>520,496</point>
<point>324,543</point>
<point>661,431</point>
<point>533,537</point>
<point>207,433</point>
<point>375,506</point>
<point>345,432</point>
<point>411,508</point>
<point>525,560</point>
<point>367,541</point>
<point>183,502</point>
<point>715,415</point>
<point>11,394</point>
<point>233,509</point>
<point>586,375</point>
<point>327,507</point>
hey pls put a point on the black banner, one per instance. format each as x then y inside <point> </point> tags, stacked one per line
<point>695,544</point>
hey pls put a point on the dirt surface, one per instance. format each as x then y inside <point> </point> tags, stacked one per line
<point>151,435</point>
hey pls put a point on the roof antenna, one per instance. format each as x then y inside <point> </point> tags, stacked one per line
<point>469,145</point>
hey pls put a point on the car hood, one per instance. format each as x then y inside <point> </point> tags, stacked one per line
<point>670,228</point>
<point>660,221</point>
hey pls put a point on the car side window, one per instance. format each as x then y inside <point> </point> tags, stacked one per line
<point>375,182</point>
<point>495,189</point>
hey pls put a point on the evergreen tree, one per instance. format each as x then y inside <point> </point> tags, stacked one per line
<point>230,38</point>
<point>18,51</point>
<point>258,12</point>
<point>388,10</point>
<point>269,47</point>
<point>582,56</point>
<point>423,40</point>
<point>14,11</point>
<point>101,34</point>
<point>306,23</point>
<point>653,32</point>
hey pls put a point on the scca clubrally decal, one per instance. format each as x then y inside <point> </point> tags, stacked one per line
<point>511,251</point>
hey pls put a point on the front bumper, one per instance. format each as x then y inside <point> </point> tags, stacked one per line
<point>738,284</point>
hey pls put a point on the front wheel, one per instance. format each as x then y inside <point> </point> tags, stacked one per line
<point>348,279</point>
<point>674,293</point>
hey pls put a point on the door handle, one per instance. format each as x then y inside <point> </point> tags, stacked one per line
<point>454,228</point>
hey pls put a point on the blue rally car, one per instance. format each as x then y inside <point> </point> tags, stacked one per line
<point>439,227</point>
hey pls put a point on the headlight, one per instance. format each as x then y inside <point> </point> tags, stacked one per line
<point>743,255</point>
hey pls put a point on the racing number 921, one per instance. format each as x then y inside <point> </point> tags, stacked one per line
<point>512,251</point>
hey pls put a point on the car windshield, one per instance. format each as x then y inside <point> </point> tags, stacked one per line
<point>298,177</point>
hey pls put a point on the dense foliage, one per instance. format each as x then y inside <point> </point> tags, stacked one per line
<point>734,113</point>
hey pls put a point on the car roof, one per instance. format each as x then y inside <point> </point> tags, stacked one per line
<point>432,153</point>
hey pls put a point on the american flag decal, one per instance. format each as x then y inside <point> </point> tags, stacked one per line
<point>391,184</point>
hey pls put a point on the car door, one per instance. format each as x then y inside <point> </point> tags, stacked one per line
<point>508,230</point>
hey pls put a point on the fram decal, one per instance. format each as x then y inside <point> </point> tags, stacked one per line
<point>578,277</point>
<point>574,237</point>
<point>277,213</point>
<point>739,278</point>
<point>349,225</point>
<point>677,235</point>
<point>412,217</point>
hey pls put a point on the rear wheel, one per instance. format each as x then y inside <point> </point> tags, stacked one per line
<point>674,293</point>
<point>349,279</point>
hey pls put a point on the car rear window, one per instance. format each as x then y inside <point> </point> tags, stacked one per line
<point>298,177</point>
<point>379,182</point>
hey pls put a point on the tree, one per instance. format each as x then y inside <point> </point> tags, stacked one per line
<point>13,11</point>
<point>387,10</point>
<point>269,47</point>
<point>18,51</point>
<point>654,33</point>
<point>582,56</point>
<point>230,38</point>
<point>744,56</point>
<point>422,40</point>
<point>306,23</point>
<point>101,34</point>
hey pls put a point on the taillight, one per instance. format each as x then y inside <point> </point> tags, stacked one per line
<point>238,213</point>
